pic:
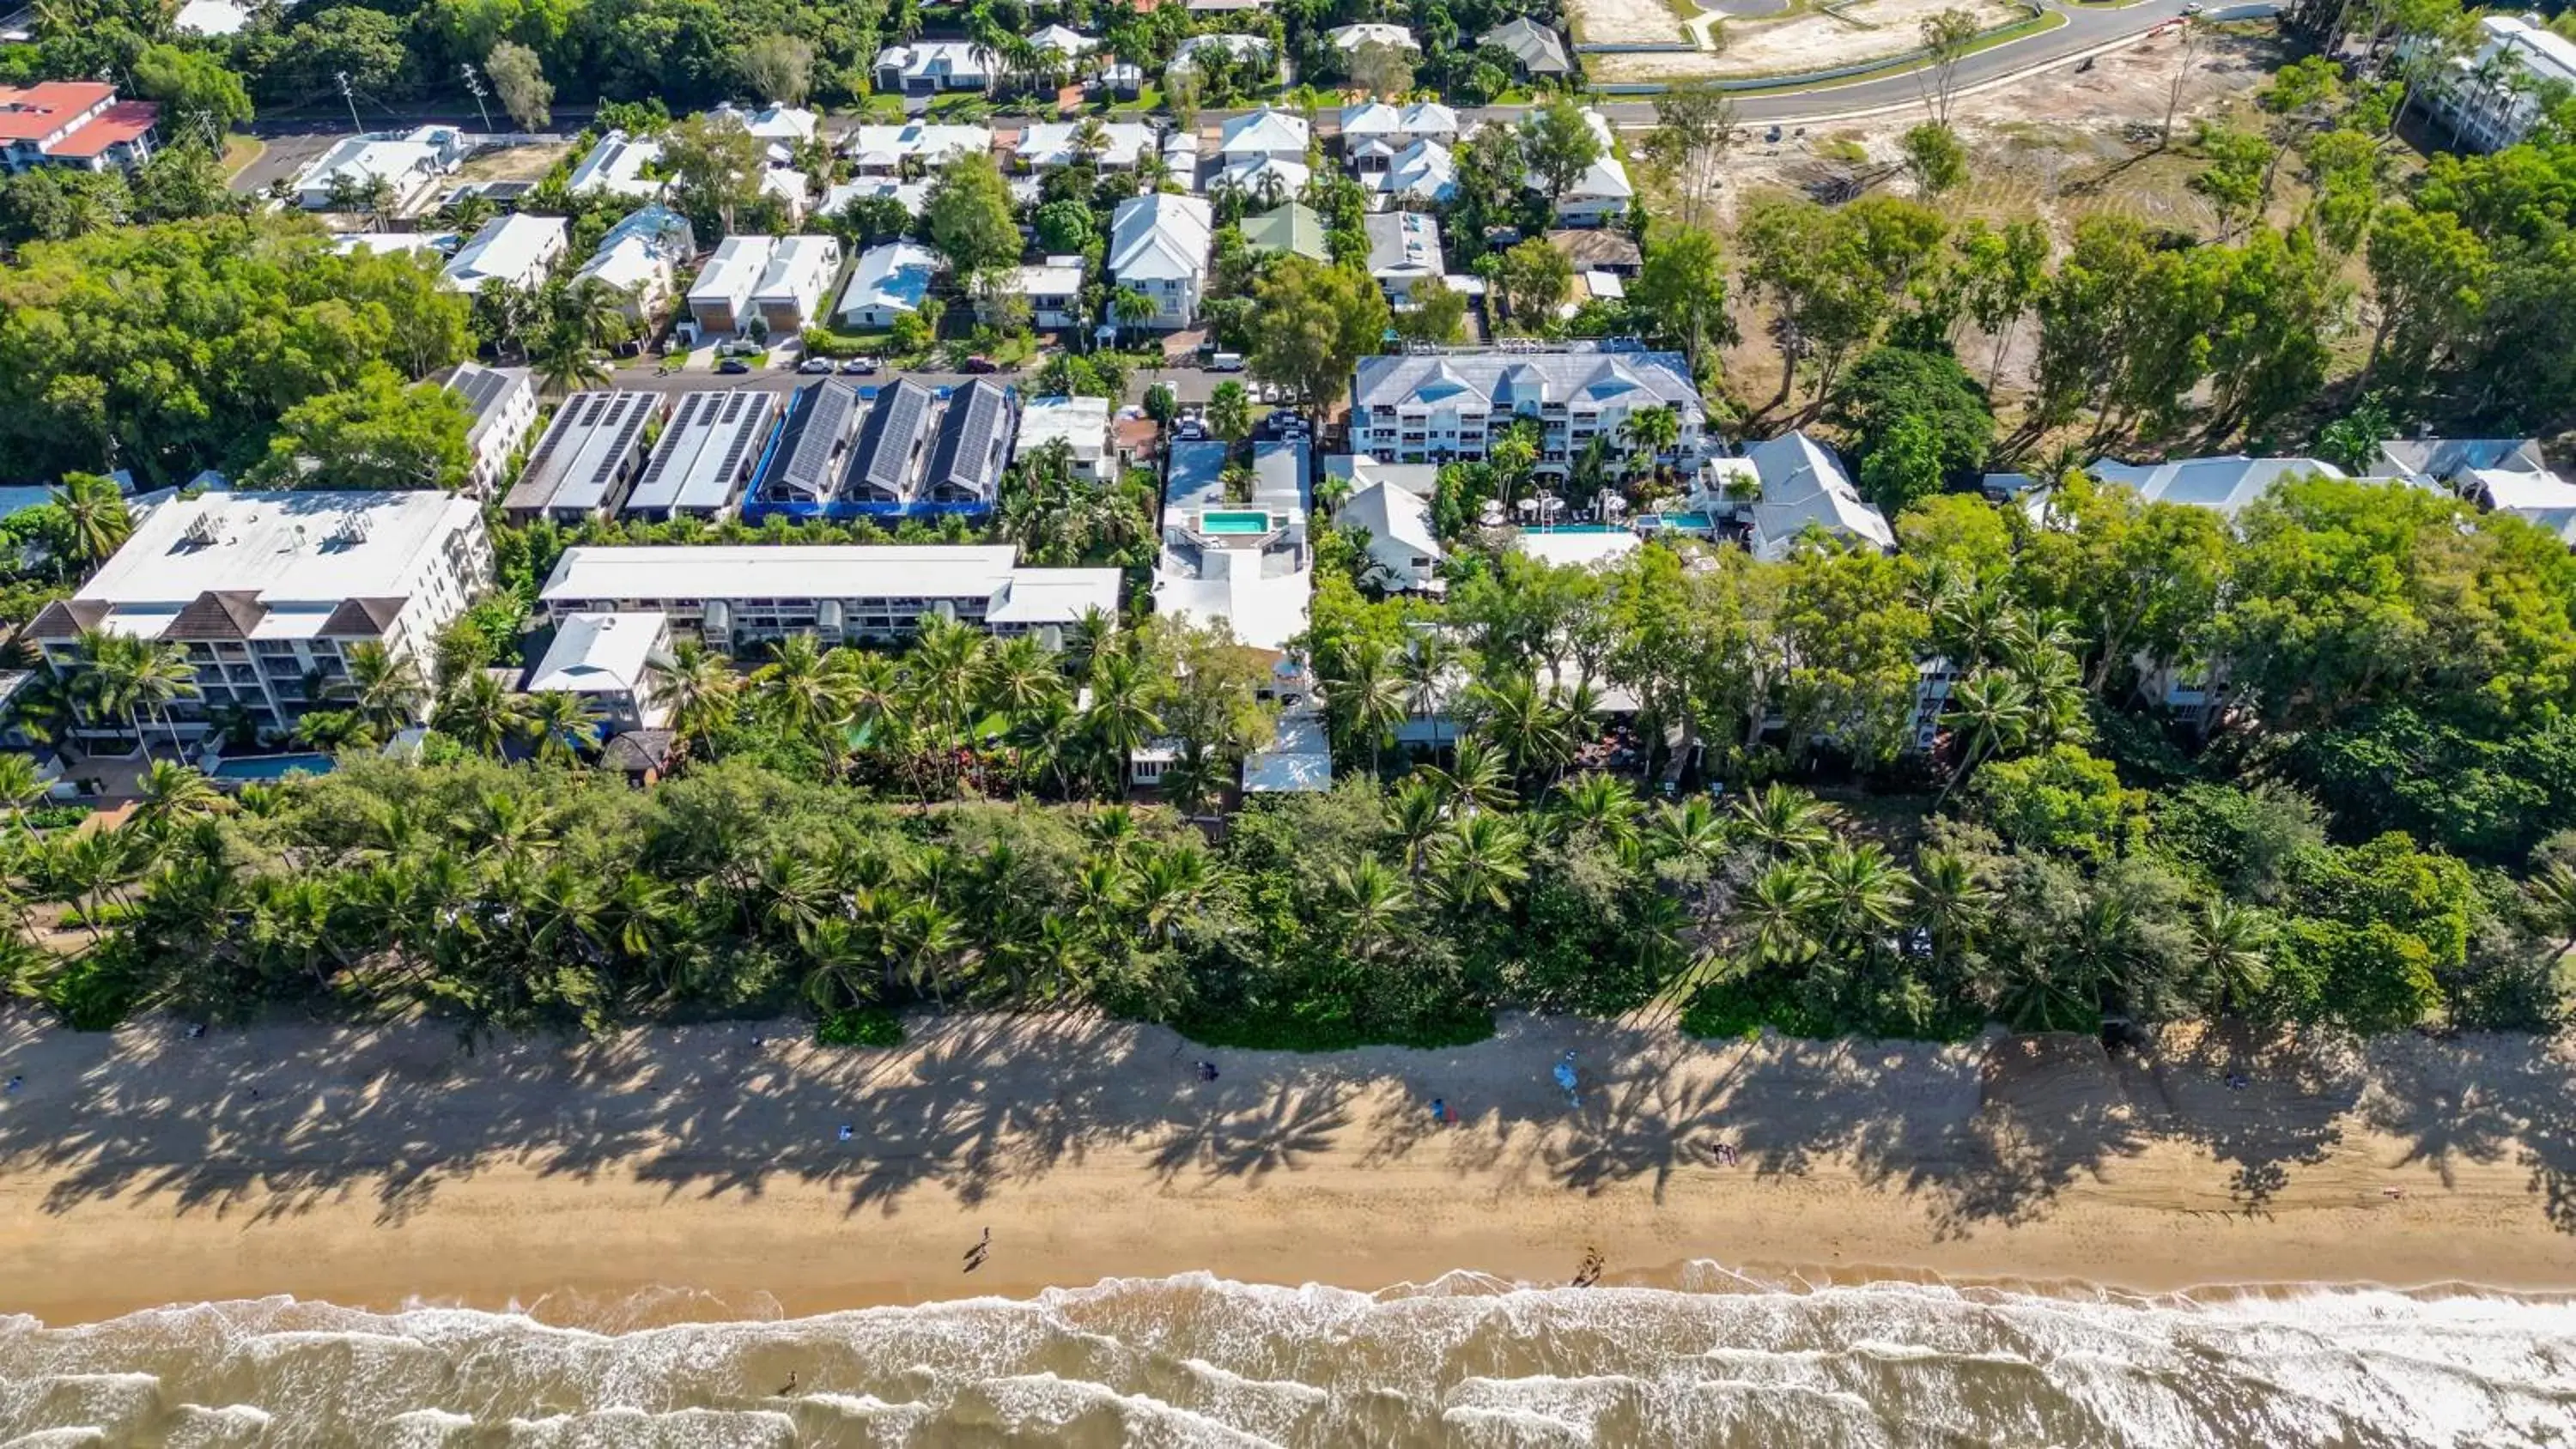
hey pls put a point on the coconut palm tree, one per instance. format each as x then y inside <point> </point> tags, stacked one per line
<point>1089,637</point>
<point>1777,912</point>
<point>1989,712</point>
<point>1173,884</point>
<point>565,362</point>
<point>1414,815</point>
<point>1193,779</point>
<point>2231,950</point>
<point>1950,900</point>
<point>1229,411</point>
<point>174,794</point>
<point>1131,309</point>
<point>82,870</point>
<point>384,690</point>
<point>697,691</point>
<point>1688,830</point>
<point>1369,902</point>
<point>1653,432</point>
<point>562,724</point>
<point>482,713</point>
<point>1121,716</point>
<point>96,518</point>
<point>804,688</point>
<point>1862,892</point>
<point>1018,676</point>
<point>1781,822</point>
<point>21,785</point>
<point>1475,781</point>
<point>1476,861</point>
<point>1603,804</point>
<point>1365,694</point>
<point>1524,725</point>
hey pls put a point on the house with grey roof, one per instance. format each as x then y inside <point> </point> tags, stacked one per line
<point>1785,488</point>
<point>880,470</point>
<point>1404,252</point>
<point>1536,49</point>
<point>2226,484</point>
<point>972,447</point>
<point>610,660</point>
<point>1452,406</point>
<point>801,468</point>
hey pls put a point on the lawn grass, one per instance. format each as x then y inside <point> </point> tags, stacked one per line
<point>240,152</point>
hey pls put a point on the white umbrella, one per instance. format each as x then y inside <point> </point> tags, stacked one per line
<point>1550,504</point>
<point>1613,505</point>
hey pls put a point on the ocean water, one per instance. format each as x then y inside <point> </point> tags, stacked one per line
<point>1193,1360</point>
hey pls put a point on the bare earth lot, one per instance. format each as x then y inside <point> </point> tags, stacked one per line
<point>1804,41</point>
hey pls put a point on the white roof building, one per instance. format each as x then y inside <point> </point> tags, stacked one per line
<point>1404,251</point>
<point>1046,145</point>
<point>1349,38</point>
<point>784,127</point>
<point>750,592</point>
<point>706,454</point>
<point>2530,58</point>
<point>912,196</point>
<point>641,255</point>
<point>1299,759</point>
<point>720,299</point>
<point>409,163</point>
<point>1580,546</point>
<point>1255,175</point>
<point>587,456</point>
<point>2226,483</point>
<point>1603,191</point>
<point>1402,547</point>
<point>1249,565</point>
<point>1080,423</point>
<point>885,148</point>
<point>1380,121</point>
<point>790,295</point>
<point>385,243</point>
<point>516,249</point>
<point>923,67</point>
<point>889,281</point>
<point>1159,245</point>
<point>1060,40</point>
<point>211,17</point>
<point>609,659</point>
<point>2540,498</point>
<point>503,403</point>
<point>615,165</point>
<point>1422,171</point>
<point>1802,484</point>
<point>1265,132</point>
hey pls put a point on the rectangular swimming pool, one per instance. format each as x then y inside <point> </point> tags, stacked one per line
<point>1219,524</point>
<point>270,767</point>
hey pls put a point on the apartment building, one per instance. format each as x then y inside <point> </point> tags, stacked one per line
<point>503,402</point>
<point>269,592</point>
<point>907,450</point>
<point>707,454</point>
<point>1437,408</point>
<point>739,598</point>
<point>80,124</point>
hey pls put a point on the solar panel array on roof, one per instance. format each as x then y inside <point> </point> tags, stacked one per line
<point>974,440</point>
<point>800,468</point>
<point>583,458</point>
<point>703,454</point>
<point>880,467</point>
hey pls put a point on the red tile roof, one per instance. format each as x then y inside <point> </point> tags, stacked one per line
<point>121,122</point>
<point>31,113</point>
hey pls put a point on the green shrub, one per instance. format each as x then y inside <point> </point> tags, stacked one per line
<point>860,1026</point>
<point>57,817</point>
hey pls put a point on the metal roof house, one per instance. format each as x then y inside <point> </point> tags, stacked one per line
<point>802,468</point>
<point>503,404</point>
<point>706,456</point>
<point>971,449</point>
<point>878,476</point>
<point>589,454</point>
<point>720,299</point>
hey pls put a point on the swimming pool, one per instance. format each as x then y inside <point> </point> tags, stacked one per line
<point>1220,524</point>
<point>270,767</point>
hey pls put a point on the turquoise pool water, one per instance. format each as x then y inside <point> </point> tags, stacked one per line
<point>1221,524</point>
<point>1583,528</point>
<point>271,767</point>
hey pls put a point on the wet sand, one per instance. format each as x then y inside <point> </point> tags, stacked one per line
<point>392,1166</point>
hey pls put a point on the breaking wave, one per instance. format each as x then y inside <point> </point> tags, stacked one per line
<point>1195,1360</point>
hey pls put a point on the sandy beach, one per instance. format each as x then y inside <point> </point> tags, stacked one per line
<point>384,1167</point>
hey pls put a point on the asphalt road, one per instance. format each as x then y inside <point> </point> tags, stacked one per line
<point>1188,384</point>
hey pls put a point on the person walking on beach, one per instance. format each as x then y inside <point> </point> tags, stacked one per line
<point>982,1246</point>
<point>1565,1078</point>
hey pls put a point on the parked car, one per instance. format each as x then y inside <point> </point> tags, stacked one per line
<point>978,365</point>
<point>1188,430</point>
<point>733,365</point>
<point>861,367</point>
<point>1226,362</point>
<point>815,364</point>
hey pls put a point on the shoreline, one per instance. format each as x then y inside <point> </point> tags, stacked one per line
<point>602,1182</point>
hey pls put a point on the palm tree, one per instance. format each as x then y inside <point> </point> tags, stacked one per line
<point>1524,724</point>
<point>1090,138</point>
<point>482,713</point>
<point>1777,910</point>
<point>1603,804</point>
<point>1474,781</point>
<point>1988,713</point>
<point>1019,677</point>
<point>1951,901</point>
<point>565,362</point>
<point>562,724</point>
<point>2231,947</point>
<point>1091,636</point>
<point>596,312</point>
<point>1863,893</point>
<point>383,689</point>
<point>1121,716</point>
<point>805,689</point>
<point>1652,431</point>
<point>1365,694</point>
<point>1229,411</point>
<point>84,869</point>
<point>1476,861</point>
<point>95,513</point>
<point>1689,830</point>
<point>1197,776</point>
<point>2550,895</point>
<point>21,785</point>
<point>794,891</point>
<point>173,794</point>
<point>1783,823</point>
<point>1131,309</point>
<point>1415,815</point>
<point>1369,901</point>
<point>1172,884</point>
